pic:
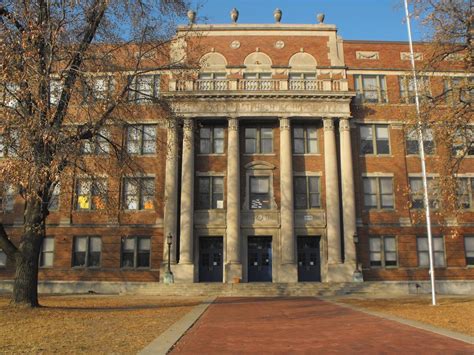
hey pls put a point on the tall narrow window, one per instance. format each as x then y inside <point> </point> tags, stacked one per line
<point>383,251</point>
<point>469,249</point>
<point>54,199</point>
<point>423,251</point>
<point>211,140</point>
<point>258,140</point>
<point>307,192</point>
<point>135,252</point>
<point>7,198</point>
<point>87,251</point>
<point>91,194</point>
<point>370,88</point>
<point>374,139</point>
<point>47,252</point>
<point>260,192</point>
<point>3,258</point>
<point>141,139</point>
<point>465,192</point>
<point>210,193</point>
<point>139,193</point>
<point>305,140</point>
<point>378,192</point>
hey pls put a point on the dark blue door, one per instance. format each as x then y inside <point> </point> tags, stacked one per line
<point>309,261</point>
<point>210,259</point>
<point>260,259</point>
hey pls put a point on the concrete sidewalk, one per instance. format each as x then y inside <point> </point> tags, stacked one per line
<point>309,325</point>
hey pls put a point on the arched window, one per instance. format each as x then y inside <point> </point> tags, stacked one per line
<point>258,72</point>
<point>302,72</point>
<point>213,74</point>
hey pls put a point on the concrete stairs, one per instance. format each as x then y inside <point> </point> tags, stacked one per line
<point>268,289</point>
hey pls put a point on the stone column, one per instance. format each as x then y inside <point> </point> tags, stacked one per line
<point>288,272</point>
<point>171,192</point>
<point>348,196</point>
<point>233,240</point>
<point>333,219</point>
<point>185,269</point>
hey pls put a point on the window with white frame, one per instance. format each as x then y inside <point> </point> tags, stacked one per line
<point>91,194</point>
<point>54,198</point>
<point>210,192</point>
<point>407,88</point>
<point>374,139</point>
<point>463,142</point>
<point>458,90</point>
<point>7,198</point>
<point>258,140</point>
<point>97,145</point>
<point>10,94</point>
<point>141,139</point>
<point>99,88</point>
<point>416,192</point>
<point>412,143</point>
<point>469,250</point>
<point>423,251</point>
<point>257,81</point>
<point>212,81</point>
<point>383,251</point>
<point>378,192</point>
<point>305,140</point>
<point>302,81</point>
<point>87,251</point>
<point>135,252</point>
<point>55,90</point>
<point>47,252</point>
<point>144,88</point>
<point>307,192</point>
<point>370,88</point>
<point>260,192</point>
<point>138,193</point>
<point>465,192</point>
<point>211,140</point>
<point>3,258</point>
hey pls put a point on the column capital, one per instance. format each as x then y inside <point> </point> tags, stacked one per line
<point>188,124</point>
<point>328,124</point>
<point>284,123</point>
<point>344,124</point>
<point>233,123</point>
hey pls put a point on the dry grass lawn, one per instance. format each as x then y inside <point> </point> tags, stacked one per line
<point>453,313</point>
<point>89,323</point>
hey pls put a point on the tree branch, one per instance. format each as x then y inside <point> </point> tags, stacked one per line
<point>8,15</point>
<point>6,245</point>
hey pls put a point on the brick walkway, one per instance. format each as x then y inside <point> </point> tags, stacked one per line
<point>286,325</point>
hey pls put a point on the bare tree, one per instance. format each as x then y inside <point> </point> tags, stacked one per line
<point>69,69</point>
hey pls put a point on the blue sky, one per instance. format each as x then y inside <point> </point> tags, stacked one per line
<point>355,19</point>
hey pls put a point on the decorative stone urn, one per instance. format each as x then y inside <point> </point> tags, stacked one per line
<point>234,15</point>
<point>191,16</point>
<point>277,15</point>
<point>320,18</point>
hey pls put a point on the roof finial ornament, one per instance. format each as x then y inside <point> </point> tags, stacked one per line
<point>191,16</point>
<point>234,15</point>
<point>320,18</point>
<point>277,15</point>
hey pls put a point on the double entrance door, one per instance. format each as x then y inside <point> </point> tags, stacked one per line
<point>210,259</point>
<point>259,259</point>
<point>309,260</point>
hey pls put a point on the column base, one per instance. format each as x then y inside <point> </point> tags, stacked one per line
<point>340,272</point>
<point>233,273</point>
<point>288,273</point>
<point>183,273</point>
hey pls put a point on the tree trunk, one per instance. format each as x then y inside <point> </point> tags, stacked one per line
<point>25,288</point>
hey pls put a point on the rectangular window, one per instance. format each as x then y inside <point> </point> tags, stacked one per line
<point>3,258</point>
<point>10,94</point>
<point>211,140</point>
<point>9,143</point>
<point>469,248</point>
<point>47,252</point>
<point>407,88</point>
<point>374,139</point>
<point>463,143</point>
<point>465,192</point>
<point>383,251</point>
<point>370,88</point>
<point>7,199</point>
<point>458,90</point>
<point>91,194</point>
<point>97,145</point>
<point>302,81</point>
<point>307,192</point>
<point>86,252</point>
<point>416,192</point>
<point>260,192</point>
<point>258,140</point>
<point>423,251</point>
<point>135,252</point>
<point>212,81</point>
<point>141,139</point>
<point>378,192</point>
<point>144,88</point>
<point>210,193</point>
<point>55,90</point>
<point>412,144</point>
<point>305,140</point>
<point>139,193</point>
<point>54,199</point>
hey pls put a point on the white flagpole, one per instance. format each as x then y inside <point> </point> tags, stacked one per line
<point>423,160</point>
